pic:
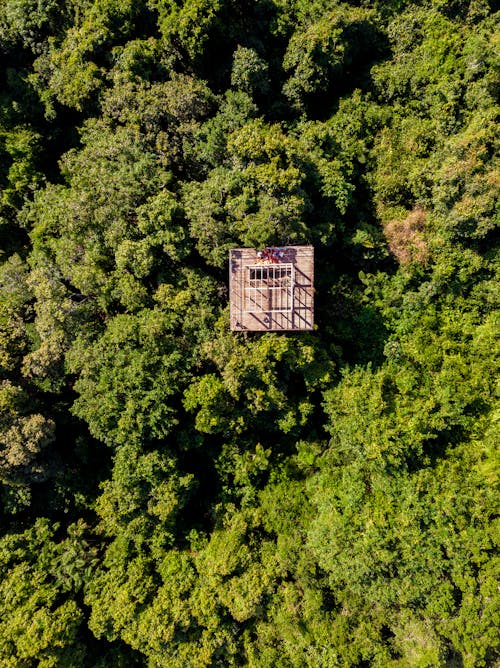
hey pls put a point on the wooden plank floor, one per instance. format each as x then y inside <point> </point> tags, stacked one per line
<point>269,307</point>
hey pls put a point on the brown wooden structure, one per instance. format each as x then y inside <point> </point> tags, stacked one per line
<point>272,289</point>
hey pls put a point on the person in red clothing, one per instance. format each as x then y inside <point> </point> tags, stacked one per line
<point>273,255</point>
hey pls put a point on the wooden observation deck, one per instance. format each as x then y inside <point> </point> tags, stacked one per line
<point>272,289</point>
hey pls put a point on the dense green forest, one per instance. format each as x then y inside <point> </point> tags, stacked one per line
<point>174,494</point>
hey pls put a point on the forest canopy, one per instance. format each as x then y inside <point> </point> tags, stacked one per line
<point>175,494</point>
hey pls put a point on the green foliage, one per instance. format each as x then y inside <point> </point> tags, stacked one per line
<point>129,377</point>
<point>234,111</point>
<point>319,55</point>
<point>249,72</point>
<point>147,378</point>
<point>258,200</point>
<point>73,70</point>
<point>167,114</point>
<point>399,566</point>
<point>15,297</point>
<point>185,27</point>
<point>27,23</point>
<point>81,226</point>
<point>289,500</point>
<point>19,149</point>
<point>41,621</point>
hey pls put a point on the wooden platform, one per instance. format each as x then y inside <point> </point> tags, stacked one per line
<point>273,292</point>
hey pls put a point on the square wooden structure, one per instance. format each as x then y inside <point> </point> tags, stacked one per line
<point>273,289</point>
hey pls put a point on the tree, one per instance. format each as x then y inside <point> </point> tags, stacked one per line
<point>320,54</point>
<point>129,379</point>
<point>256,201</point>
<point>249,72</point>
<point>312,499</point>
<point>41,621</point>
